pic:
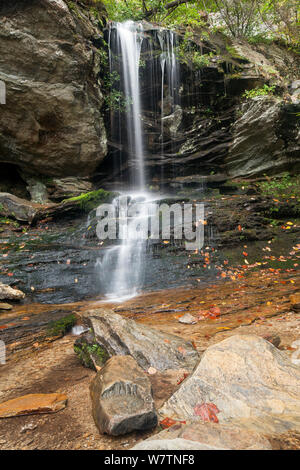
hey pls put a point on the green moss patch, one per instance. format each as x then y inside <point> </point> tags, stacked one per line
<point>87,201</point>
<point>62,326</point>
<point>90,354</point>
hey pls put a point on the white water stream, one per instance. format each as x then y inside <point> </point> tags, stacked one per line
<point>122,267</point>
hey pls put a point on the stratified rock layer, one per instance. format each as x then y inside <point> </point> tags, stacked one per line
<point>265,138</point>
<point>121,398</point>
<point>148,346</point>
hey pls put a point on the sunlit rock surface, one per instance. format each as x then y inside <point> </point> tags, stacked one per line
<point>149,347</point>
<point>244,377</point>
<point>205,436</point>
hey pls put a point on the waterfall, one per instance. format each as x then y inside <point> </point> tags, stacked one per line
<point>122,267</point>
<point>170,81</point>
<point>130,41</point>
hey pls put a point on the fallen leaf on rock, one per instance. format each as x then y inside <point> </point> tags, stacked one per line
<point>185,375</point>
<point>207,412</point>
<point>168,422</point>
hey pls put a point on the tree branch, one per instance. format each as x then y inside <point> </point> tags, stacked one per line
<point>168,6</point>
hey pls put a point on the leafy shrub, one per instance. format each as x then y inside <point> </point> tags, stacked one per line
<point>265,90</point>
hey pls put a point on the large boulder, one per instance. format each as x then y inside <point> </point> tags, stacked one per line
<point>265,138</point>
<point>51,123</point>
<point>122,398</point>
<point>205,436</point>
<point>243,376</point>
<point>149,347</point>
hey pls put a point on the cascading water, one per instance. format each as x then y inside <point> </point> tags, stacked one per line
<point>170,82</point>
<point>122,267</point>
<point>124,262</point>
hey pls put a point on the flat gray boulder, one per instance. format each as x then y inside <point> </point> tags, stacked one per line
<point>122,398</point>
<point>243,376</point>
<point>149,347</point>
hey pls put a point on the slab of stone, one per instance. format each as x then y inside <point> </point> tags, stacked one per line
<point>4,306</point>
<point>148,346</point>
<point>122,398</point>
<point>8,293</point>
<point>205,436</point>
<point>244,376</point>
<point>33,404</point>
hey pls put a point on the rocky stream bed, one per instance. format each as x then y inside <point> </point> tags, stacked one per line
<point>245,283</point>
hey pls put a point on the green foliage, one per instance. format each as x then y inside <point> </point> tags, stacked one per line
<point>73,7</point>
<point>265,90</point>
<point>188,53</point>
<point>103,54</point>
<point>239,18</point>
<point>119,10</point>
<point>116,101</point>
<point>84,351</point>
<point>62,326</point>
<point>6,221</point>
<point>87,201</point>
<point>285,186</point>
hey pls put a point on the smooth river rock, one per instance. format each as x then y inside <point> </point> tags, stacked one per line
<point>148,346</point>
<point>122,398</point>
<point>205,436</point>
<point>8,293</point>
<point>244,376</point>
<point>33,404</point>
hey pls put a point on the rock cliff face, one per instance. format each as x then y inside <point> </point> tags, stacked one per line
<point>209,127</point>
<point>51,123</point>
<point>265,138</point>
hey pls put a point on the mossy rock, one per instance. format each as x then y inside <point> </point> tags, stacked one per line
<point>87,201</point>
<point>90,354</point>
<point>62,326</point>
